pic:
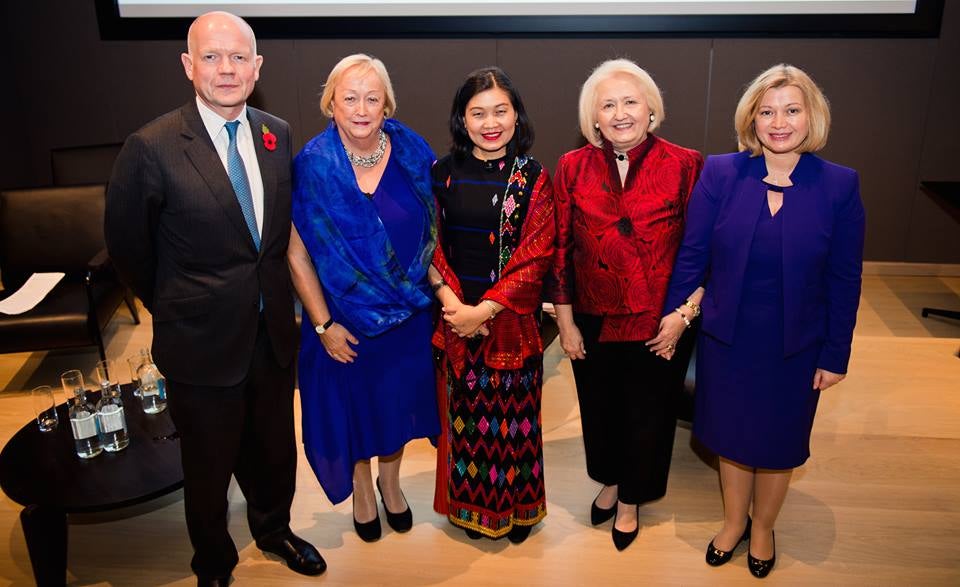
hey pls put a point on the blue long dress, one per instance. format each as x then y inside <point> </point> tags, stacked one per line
<point>753,406</point>
<point>387,396</point>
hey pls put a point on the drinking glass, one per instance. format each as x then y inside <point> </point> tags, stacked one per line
<point>135,362</point>
<point>108,375</point>
<point>72,382</point>
<point>45,407</point>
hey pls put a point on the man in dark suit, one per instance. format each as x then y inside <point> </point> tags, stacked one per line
<point>197,223</point>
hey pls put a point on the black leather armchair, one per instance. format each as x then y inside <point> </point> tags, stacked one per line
<point>58,229</point>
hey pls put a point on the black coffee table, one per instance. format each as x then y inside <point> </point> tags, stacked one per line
<point>42,472</point>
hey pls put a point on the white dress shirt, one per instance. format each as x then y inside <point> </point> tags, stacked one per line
<point>215,125</point>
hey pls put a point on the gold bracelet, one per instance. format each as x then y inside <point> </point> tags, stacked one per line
<point>493,309</point>
<point>694,307</point>
<point>686,321</point>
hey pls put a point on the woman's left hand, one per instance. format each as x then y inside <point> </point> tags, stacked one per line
<point>664,344</point>
<point>823,379</point>
<point>466,320</point>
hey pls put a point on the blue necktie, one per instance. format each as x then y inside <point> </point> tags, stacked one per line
<point>238,177</point>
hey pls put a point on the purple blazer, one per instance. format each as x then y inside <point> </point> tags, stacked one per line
<point>823,231</point>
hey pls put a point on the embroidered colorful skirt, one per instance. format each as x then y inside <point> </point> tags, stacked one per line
<point>496,451</point>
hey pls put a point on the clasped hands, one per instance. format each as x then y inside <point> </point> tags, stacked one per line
<point>467,321</point>
<point>672,327</point>
<point>664,344</point>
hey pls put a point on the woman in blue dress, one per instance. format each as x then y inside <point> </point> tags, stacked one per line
<point>775,236</point>
<point>363,238</point>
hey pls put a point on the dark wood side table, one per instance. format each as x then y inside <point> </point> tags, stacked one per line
<point>41,472</point>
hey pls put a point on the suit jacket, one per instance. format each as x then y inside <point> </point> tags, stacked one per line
<point>177,235</point>
<point>823,233</point>
<point>616,245</point>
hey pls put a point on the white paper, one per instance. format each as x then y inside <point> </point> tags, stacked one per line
<point>31,293</point>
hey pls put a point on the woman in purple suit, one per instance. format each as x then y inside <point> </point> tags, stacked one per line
<point>775,236</point>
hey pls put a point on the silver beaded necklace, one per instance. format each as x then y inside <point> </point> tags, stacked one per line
<point>371,159</point>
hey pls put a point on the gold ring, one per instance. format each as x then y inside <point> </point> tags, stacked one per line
<point>670,347</point>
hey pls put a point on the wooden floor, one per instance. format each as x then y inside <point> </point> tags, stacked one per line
<point>877,504</point>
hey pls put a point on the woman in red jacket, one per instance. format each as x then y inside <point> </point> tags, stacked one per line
<point>620,204</point>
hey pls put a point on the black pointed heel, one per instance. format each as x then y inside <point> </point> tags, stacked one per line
<point>624,539</point>
<point>717,557</point>
<point>599,515</point>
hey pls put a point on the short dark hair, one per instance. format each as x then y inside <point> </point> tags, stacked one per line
<point>478,81</point>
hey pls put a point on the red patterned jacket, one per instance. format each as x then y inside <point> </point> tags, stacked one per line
<point>616,245</point>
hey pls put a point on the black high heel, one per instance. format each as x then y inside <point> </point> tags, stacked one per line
<point>599,515</point>
<point>401,522</point>
<point>624,539</point>
<point>761,568</point>
<point>717,557</point>
<point>367,531</point>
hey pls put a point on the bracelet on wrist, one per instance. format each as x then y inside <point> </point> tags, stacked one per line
<point>493,309</point>
<point>436,286</point>
<point>693,306</point>
<point>686,321</point>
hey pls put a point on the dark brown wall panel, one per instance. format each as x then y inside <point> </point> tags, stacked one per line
<point>933,234</point>
<point>873,85</point>
<point>894,100</point>
<point>16,148</point>
<point>550,73</point>
<point>424,75</point>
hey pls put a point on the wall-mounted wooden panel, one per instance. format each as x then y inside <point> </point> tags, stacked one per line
<point>424,76</point>
<point>873,85</point>
<point>550,73</point>
<point>893,99</point>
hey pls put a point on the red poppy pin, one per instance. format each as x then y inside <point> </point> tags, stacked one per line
<point>269,139</point>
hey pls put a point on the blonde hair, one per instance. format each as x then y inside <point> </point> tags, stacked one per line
<point>779,76</point>
<point>604,71</point>
<point>362,64</point>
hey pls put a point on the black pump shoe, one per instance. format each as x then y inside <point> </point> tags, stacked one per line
<point>624,539</point>
<point>401,522</point>
<point>519,533</point>
<point>717,557</point>
<point>761,568</point>
<point>368,531</point>
<point>599,515</point>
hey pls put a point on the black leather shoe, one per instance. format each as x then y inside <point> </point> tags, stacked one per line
<point>299,554</point>
<point>717,557</point>
<point>598,515</point>
<point>623,539</point>
<point>473,534</point>
<point>761,568</point>
<point>213,581</point>
<point>518,533</point>
<point>401,522</point>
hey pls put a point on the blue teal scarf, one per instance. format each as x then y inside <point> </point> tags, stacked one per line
<point>346,240</point>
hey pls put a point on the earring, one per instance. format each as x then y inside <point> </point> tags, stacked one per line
<point>652,117</point>
<point>596,125</point>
